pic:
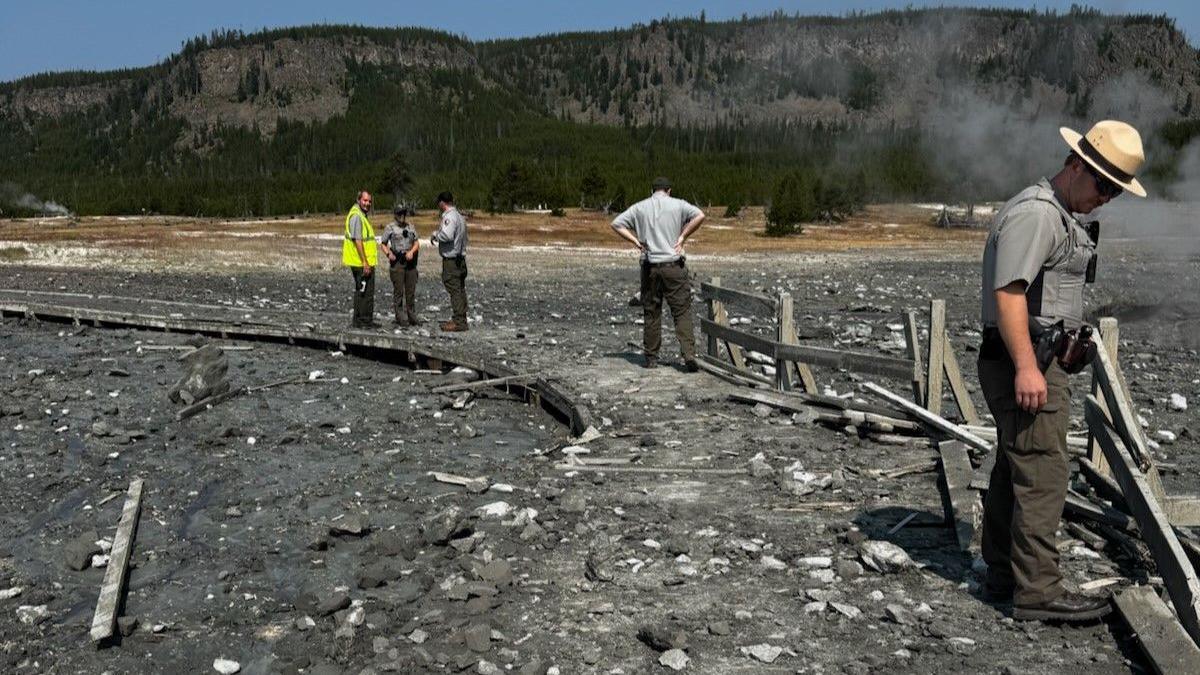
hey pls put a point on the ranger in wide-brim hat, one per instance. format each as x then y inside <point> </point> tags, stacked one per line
<point>1036,262</point>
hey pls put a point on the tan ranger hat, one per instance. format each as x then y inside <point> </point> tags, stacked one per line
<point>1114,149</point>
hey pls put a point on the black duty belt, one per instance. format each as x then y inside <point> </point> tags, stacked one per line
<point>454,257</point>
<point>669,263</point>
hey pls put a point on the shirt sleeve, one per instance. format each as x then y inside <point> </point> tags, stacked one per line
<point>625,220</point>
<point>356,229</point>
<point>689,211</point>
<point>1024,243</point>
<point>388,233</point>
<point>445,231</point>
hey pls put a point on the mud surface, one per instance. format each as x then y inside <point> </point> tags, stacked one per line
<point>235,552</point>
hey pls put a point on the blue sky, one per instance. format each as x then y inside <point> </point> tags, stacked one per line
<point>47,35</point>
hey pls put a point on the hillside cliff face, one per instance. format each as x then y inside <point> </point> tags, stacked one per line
<point>888,69</point>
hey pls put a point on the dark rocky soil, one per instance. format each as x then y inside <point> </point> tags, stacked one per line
<point>242,552</point>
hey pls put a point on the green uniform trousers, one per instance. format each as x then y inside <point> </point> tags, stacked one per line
<point>364,297</point>
<point>404,290</point>
<point>454,278</point>
<point>669,281</point>
<point>1028,485</point>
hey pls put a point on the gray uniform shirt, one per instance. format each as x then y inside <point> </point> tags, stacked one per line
<point>657,221</point>
<point>451,236</point>
<point>1033,238</point>
<point>400,238</point>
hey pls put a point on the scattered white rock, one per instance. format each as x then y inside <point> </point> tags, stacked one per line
<point>815,561</point>
<point>494,510</point>
<point>849,611</point>
<point>884,556</point>
<point>1165,436</point>
<point>1178,402</point>
<point>651,544</point>
<point>226,667</point>
<point>418,636</point>
<point>770,562</point>
<point>10,593</point>
<point>100,560</point>
<point>675,659</point>
<point>32,614</point>
<point>763,652</point>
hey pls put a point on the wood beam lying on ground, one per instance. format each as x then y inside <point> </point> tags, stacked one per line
<point>1183,510</point>
<point>1076,443</point>
<point>1160,636</point>
<point>936,421</point>
<point>842,416</point>
<point>960,503</point>
<point>1102,483</point>
<point>113,588</point>
<point>730,373</point>
<point>482,384</point>
<point>1179,576</point>
<point>1081,507</point>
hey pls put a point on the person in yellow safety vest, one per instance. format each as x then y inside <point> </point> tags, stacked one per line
<point>360,253</point>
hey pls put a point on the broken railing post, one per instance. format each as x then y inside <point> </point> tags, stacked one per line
<point>936,421</point>
<point>1109,335</point>
<point>958,386</point>
<point>786,316</point>
<point>113,587</point>
<point>1178,574</point>
<point>913,344</point>
<point>935,356</point>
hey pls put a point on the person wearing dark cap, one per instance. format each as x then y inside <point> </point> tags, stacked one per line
<point>451,240</point>
<point>402,247</point>
<point>658,226</point>
<point>1035,264</point>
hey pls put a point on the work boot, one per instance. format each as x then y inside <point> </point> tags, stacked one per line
<point>453,327</point>
<point>651,361</point>
<point>1068,607</point>
<point>690,365</point>
<point>996,593</point>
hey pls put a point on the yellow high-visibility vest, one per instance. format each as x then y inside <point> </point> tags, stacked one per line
<point>350,251</point>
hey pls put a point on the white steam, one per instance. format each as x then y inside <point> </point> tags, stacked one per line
<point>11,194</point>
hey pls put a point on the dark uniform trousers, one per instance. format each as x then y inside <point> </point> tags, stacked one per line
<point>404,288</point>
<point>1028,485</point>
<point>669,281</point>
<point>454,278</point>
<point>364,297</point>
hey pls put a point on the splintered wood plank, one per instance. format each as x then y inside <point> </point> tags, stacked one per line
<point>1159,634</point>
<point>961,503</point>
<point>958,386</point>
<point>797,370</point>
<point>713,308</point>
<point>1179,576</point>
<point>1109,339</point>
<point>113,589</point>
<point>936,356</point>
<point>913,344</point>
<point>936,421</point>
<point>783,318</point>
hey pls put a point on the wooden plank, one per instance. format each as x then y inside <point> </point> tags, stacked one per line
<point>1103,484</point>
<point>960,503</point>
<point>855,362</point>
<point>1109,339</point>
<point>652,469</point>
<point>1159,634</point>
<point>912,343</point>
<point>1124,420</point>
<point>1074,443</point>
<point>958,386</point>
<point>752,302</point>
<point>935,421</point>
<point>721,318</point>
<point>843,416</point>
<point>200,406</point>
<point>1183,510</point>
<point>713,307</point>
<point>1081,507</point>
<point>935,361</point>
<point>113,588</point>
<point>1179,576</point>
<point>784,317</point>
<point>481,384</point>
<point>742,338</point>
<point>730,373</point>
<point>799,370</point>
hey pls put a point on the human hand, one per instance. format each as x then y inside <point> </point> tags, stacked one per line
<point>1030,386</point>
<point>367,269</point>
<point>679,245</point>
<point>409,256</point>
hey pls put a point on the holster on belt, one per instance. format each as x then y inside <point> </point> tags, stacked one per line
<point>1073,349</point>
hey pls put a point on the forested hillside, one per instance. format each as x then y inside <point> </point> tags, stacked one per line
<point>294,120</point>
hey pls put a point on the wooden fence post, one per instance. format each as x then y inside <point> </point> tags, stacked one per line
<point>721,317</point>
<point>1109,335</point>
<point>914,353</point>
<point>935,361</point>
<point>791,370</point>
<point>714,306</point>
